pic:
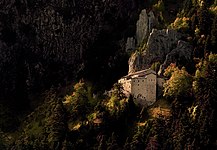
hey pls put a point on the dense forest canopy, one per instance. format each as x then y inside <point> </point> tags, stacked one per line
<point>61,59</point>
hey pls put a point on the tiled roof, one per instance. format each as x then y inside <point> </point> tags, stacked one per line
<point>141,73</point>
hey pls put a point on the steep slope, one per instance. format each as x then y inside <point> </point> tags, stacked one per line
<point>45,43</point>
<point>81,116</point>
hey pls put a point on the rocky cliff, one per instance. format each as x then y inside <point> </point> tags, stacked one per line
<point>164,46</point>
<point>182,55</point>
<point>144,25</point>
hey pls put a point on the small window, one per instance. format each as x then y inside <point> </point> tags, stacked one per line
<point>142,80</point>
<point>138,84</point>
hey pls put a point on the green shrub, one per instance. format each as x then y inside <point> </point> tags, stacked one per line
<point>181,24</point>
<point>159,6</point>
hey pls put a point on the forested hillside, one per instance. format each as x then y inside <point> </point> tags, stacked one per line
<point>50,43</point>
<point>60,61</point>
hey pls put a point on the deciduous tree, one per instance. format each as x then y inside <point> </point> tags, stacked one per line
<point>179,84</point>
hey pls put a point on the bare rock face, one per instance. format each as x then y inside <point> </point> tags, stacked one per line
<point>144,25</point>
<point>162,41</point>
<point>131,44</point>
<point>161,45</point>
<point>135,62</point>
<point>151,21</point>
<point>181,54</point>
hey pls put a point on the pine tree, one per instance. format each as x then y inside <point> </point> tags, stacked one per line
<point>205,91</point>
<point>112,143</point>
<point>204,19</point>
<point>214,34</point>
<point>2,141</point>
<point>56,125</point>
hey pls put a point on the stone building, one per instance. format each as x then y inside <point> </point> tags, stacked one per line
<point>142,85</point>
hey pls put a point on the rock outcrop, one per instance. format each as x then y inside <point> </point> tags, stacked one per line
<point>182,54</point>
<point>162,41</point>
<point>161,45</point>
<point>131,44</point>
<point>135,62</point>
<point>144,25</point>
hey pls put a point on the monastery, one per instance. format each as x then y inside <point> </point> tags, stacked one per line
<point>143,85</point>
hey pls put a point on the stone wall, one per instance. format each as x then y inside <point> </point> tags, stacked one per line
<point>144,88</point>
